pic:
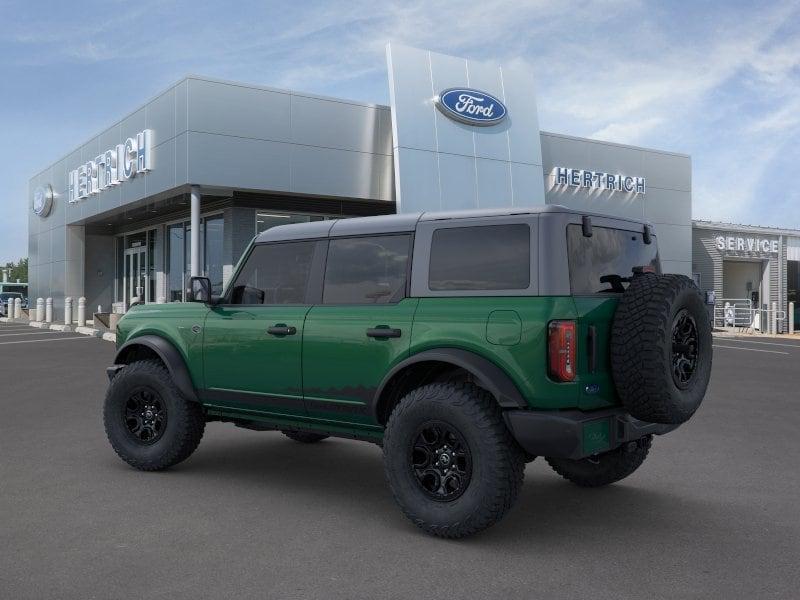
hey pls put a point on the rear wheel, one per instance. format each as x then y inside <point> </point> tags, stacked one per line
<point>150,425</point>
<point>306,437</point>
<point>451,463</point>
<point>606,468</point>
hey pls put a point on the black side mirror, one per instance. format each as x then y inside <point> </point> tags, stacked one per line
<point>199,290</point>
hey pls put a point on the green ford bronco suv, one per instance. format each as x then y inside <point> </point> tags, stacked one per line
<point>464,344</point>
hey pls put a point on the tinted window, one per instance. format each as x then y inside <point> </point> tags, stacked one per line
<point>275,274</point>
<point>604,263</point>
<point>487,257</point>
<point>368,270</point>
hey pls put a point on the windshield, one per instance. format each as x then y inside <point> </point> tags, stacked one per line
<point>605,262</point>
<point>6,295</point>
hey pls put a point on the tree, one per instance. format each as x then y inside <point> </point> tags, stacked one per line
<point>18,270</point>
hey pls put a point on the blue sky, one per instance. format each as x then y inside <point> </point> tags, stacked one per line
<point>719,81</point>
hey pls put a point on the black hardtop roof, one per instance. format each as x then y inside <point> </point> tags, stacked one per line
<point>401,223</point>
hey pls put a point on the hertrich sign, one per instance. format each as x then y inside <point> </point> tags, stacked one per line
<point>598,180</point>
<point>472,107</point>
<point>112,167</point>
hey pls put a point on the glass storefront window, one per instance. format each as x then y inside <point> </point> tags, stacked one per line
<point>175,262</point>
<point>179,255</point>
<point>213,234</point>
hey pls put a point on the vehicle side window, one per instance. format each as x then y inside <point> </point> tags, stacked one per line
<point>604,262</point>
<point>367,270</point>
<point>484,257</point>
<point>275,274</point>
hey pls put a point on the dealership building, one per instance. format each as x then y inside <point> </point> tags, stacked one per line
<point>749,268</point>
<point>182,184</point>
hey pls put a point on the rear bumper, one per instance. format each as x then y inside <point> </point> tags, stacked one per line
<point>576,434</point>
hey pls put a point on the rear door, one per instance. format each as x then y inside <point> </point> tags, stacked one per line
<point>600,267</point>
<point>253,339</point>
<point>362,327</point>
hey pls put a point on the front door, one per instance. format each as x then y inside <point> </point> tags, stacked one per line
<point>134,283</point>
<point>253,338</point>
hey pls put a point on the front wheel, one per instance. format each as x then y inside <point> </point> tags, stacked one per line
<point>606,468</point>
<point>150,425</point>
<point>450,461</point>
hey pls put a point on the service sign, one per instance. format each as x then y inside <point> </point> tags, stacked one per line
<point>731,243</point>
<point>112,167</point>
<point>472,107</point>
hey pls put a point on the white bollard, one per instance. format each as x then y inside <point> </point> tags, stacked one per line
<point>68,310</point>
<point>81,312</point>
<point>48,310</point>
<point>10,308</point>
<point>18,308</point>
<point>774,320</point>
<point>791,318</point>
<point>39,310</point>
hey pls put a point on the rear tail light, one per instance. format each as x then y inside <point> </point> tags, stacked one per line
<point>561,350</point>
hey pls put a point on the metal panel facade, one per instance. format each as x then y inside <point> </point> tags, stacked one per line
<point>444,164</point>
<point>667,201</point>
<point>221,135</point>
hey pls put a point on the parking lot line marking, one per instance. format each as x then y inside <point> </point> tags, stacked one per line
<point>740,348</point>
<point>4,334</point>
<point>55,339</point>
<point>763,343</point>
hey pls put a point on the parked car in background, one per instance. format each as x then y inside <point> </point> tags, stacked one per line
<point>6,296</point>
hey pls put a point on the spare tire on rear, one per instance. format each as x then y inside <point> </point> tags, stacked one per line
<point>661,348</point>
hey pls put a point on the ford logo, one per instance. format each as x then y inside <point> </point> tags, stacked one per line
<point>472,107</point>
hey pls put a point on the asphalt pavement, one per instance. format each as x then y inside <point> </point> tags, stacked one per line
<point>713,513</point>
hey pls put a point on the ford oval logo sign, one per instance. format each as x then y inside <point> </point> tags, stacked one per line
<point>472,107</point>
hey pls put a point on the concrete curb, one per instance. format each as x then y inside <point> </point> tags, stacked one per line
<point>88,331</point>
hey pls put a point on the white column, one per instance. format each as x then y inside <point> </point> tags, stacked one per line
<point>791,318</point>
<point>195,239</point>
<point>774,320</point>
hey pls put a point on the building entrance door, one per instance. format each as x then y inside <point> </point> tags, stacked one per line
<point>134,283</point>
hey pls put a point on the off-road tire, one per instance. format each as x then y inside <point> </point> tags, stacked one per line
<point>185,421</point>
<point>306,437</point>
<point>605,468</point>
<point>642,348</point>
<point>497,462</point>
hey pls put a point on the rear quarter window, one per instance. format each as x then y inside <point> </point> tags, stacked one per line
<point>484,257</point>
<point>604,262</point>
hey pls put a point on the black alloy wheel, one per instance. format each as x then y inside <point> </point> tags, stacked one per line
<point>145,415</point>
<point>685,344</point>
<point>441,461</point>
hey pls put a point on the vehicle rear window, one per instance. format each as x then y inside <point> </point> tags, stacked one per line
<point>484,257</point>
<point>604,263</point>
<point>366,270</point>
<point>275,274</point>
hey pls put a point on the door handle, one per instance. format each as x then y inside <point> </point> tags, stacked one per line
<point>281,329</point>
<point>383,331</point>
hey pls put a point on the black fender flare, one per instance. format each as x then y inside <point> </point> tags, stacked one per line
<point>493,378</point>
<point>169,355</point>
